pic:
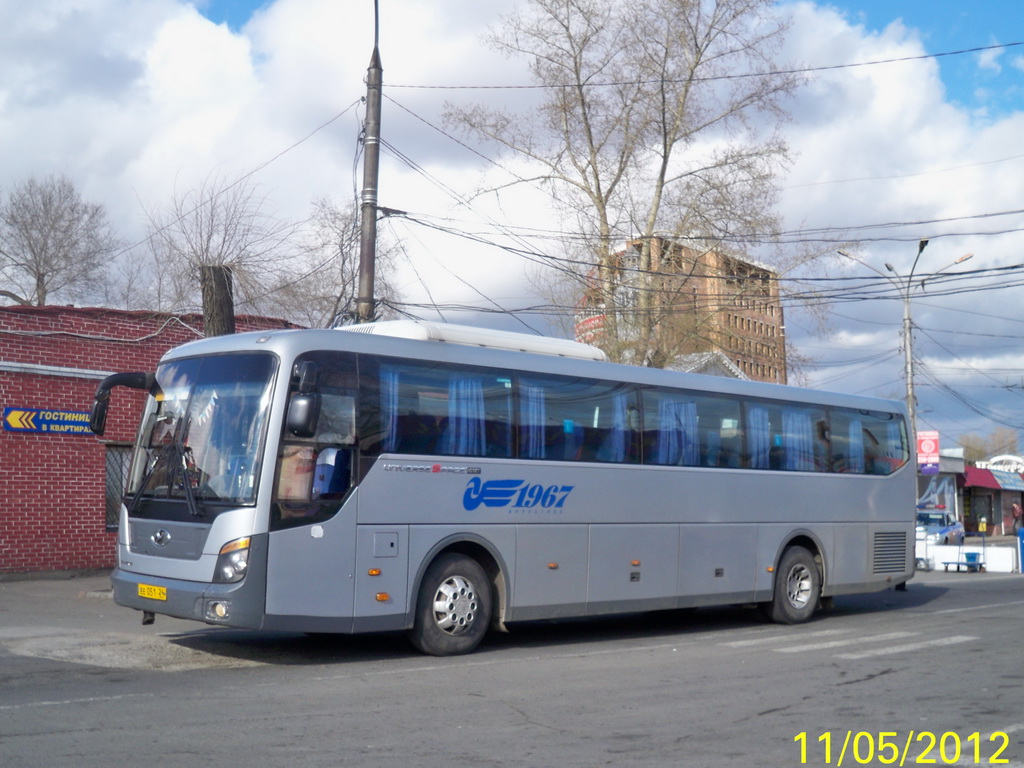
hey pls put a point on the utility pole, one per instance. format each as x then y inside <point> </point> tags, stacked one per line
<point>908,359</point>
<point>908,341</point>
<point>365,305</point>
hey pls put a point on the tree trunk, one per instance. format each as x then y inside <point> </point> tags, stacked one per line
<point>218,302</point>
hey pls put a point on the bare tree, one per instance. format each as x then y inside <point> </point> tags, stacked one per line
<point>220,225</point>
<point>647,130</point>
<point>1001,440</point>
<point>53,245</point>
<point>130,281</point>
<point>321,287</point>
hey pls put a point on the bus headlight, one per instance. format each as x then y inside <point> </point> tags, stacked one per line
<point>232,562</point>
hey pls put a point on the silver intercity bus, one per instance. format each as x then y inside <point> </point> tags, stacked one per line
<point>352,480</point>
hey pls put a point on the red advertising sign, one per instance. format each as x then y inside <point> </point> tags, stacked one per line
<point>928,452</point>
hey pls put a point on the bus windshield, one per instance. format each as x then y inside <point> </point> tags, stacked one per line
<point>202,438</point>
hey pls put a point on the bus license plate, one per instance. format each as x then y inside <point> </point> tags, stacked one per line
<point>153,593</point>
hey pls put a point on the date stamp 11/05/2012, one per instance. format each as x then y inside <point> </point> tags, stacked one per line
<point>915,748</point>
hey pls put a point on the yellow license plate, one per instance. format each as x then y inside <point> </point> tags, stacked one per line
<point>153,593</point>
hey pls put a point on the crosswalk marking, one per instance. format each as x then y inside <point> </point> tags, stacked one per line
<point>954,640</point>
<point>826,639</point>
<point>844,642</point>
<point>774,638</point>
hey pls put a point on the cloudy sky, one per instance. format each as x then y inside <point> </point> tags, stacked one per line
<point>136,100</point>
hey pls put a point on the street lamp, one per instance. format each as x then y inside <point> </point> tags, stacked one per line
<point>908,337</point>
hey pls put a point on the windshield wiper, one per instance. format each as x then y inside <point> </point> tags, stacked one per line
<point>186,479</point>
<point>163,458</point>
<point>173,458</point>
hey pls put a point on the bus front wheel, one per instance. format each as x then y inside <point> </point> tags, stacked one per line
<point>454,607</point>
<point>797,587</point>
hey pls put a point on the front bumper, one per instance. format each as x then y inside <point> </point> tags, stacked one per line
<point>240,605</point>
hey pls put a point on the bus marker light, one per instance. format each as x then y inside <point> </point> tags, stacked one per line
<point>373,572</point>
<point>383,597</point>
<point>635,563</point>
<point>553,566</point>
<point>770,569</point>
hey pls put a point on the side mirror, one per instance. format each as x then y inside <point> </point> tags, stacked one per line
<point>303,414</point>
<point>101,400</point>
<point>98,416</point>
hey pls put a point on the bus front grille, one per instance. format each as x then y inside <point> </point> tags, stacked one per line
<point>890,552</point>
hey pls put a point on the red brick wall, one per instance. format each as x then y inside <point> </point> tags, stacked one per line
<point>53,486</point>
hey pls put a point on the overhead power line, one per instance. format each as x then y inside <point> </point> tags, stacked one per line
<point>245,176</point>
<point>712,78</point>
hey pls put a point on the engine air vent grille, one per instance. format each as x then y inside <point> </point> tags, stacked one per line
<point>890,552</point>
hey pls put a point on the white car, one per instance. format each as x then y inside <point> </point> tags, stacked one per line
<point>938,527</point>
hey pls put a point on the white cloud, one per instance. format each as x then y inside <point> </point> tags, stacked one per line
<point>989,60</point>
<point>197,83</point>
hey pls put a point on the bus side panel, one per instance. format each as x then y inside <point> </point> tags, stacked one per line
<point>632,567</point>
<point>717,563</point>
<point>381,577</point>
<point>309,575</point>
<point>550,579</point>
<point>884,558</point>
<point>848,557</point>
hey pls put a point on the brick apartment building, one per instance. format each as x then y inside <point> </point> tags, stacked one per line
<point>729,306</point>
<point>60,483</point>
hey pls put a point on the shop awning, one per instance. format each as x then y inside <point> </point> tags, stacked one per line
<point>992,478</point>
<point>1008,481</point>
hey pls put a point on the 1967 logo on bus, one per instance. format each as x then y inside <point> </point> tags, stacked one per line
<point>514,493</point>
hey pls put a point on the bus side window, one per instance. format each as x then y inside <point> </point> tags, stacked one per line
<point>295,476</point>
<point>885,445</point>
<point>869,443</point>
<point>337,423</point>
<point>434,408</point>
<point>670,429</point>
<point>847,442</point>
<point>314,470</point>
<point>721,438</point>
<point>568,418</point>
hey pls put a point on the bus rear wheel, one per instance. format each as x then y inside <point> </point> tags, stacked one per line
<point>797,587</point>
<point>454,607</point>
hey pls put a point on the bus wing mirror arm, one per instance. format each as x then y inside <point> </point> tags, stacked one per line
<point>101,400</point>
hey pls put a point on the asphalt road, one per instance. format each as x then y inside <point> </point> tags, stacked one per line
<point>930,676</point>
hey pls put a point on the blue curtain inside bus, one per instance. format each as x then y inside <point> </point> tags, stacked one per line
<point>389,407</point>
<point>759,437</point>
<point>797,440</point>
<point>855,461</point>
<point>677,433</point>
<point>615,446</point>
<point>464,433</point>
<point>533,417</point>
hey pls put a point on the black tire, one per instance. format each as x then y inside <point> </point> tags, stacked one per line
<point>453,609</point>
<point>797,588</point>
